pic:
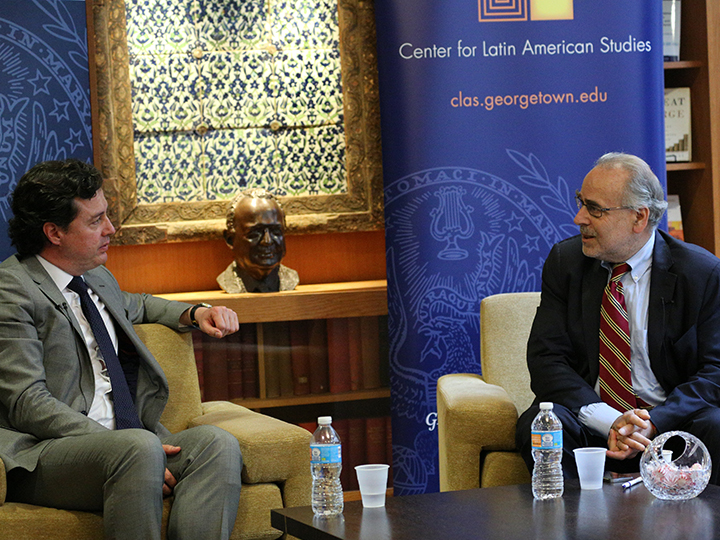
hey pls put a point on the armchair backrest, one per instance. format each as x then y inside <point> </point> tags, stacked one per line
<point>505,322</point>
<point>174,352</point>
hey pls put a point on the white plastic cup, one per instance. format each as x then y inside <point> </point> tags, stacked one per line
<point>591,467</point>
<point>373,484</point>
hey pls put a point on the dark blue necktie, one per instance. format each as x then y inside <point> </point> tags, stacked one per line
<point>125,413</point>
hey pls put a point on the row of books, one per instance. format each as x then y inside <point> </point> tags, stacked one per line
<point>298,357</point>
<point>364,440</point>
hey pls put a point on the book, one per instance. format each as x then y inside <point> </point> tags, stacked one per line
<point>215,369</point>
<point>299,342</point>
<point>272,361</point>
<point>248,346</point>
<point>318,356</point>
<point>310,426</point>
<point>355,353</point>
<point>678,134</point>
<point>284,353</point>
<point>384,349</point>
<point>671,30</point>
<point>342,427</point>
<point>389,448</point>
<point>233,349</point>
<point>356,450</point>
<point>338,355</point>
<point>370,351</point>
<point>376,440</point>
<point>674,215</point>
<point>198,349</point>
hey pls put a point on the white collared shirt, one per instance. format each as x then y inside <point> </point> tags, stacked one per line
<point>101,409</point>
<point>636,288</point>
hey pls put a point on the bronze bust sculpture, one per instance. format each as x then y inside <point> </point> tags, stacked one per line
<point>255,231</point>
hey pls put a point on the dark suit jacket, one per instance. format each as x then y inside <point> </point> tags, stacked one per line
<point>46,378</point>
<point>683,328</point>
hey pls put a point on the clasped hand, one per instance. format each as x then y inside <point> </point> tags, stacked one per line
<point>630,434</point>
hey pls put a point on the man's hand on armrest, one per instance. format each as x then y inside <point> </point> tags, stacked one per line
<point>216,321</point>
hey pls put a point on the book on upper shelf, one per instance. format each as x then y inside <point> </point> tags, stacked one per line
<point>678,138</point>
<point>674,215</point>
<point>671,30</point>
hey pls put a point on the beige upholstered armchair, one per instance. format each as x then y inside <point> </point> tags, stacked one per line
<point>276,467</point>
<point>477,414</point>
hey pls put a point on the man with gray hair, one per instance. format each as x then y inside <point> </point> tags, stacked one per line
<point>626,340</point>
<point>255,232</point>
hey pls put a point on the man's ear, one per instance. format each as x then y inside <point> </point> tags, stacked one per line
<point>228,238</point>
<point>641,219</point>
<point>53,233</point>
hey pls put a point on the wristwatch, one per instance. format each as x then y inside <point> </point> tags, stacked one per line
<point>193,320</point>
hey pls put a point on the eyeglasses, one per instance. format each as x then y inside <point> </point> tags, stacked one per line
<point>593,209</point>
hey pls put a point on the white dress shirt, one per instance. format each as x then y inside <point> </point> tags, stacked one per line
<point>101,409</point>
<point>636,287</point>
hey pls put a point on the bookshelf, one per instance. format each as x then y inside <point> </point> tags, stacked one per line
<point>360,414</point>
<point>697,182</point>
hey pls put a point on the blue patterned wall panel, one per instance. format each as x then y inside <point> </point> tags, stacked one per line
<point>44,90</point>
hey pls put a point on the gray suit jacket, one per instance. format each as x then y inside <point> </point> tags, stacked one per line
<point>46,378</point>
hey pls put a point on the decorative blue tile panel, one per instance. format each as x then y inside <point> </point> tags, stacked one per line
<point>229,94</point>
<point>164,92</point>
<point>161,26</point>
<point>305,24</point>
<point>169,167</point>
<point>238,159</point>
<point>237,89</point>
<point>309,92</point>
<point>231,24</point>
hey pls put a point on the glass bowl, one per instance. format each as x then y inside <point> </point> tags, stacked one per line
<point>682,473</point>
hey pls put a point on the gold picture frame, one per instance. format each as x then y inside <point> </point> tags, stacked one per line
<point>360,209</point>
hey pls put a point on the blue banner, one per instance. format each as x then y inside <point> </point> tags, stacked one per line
<point>44,91</point>
<point>493,111</point>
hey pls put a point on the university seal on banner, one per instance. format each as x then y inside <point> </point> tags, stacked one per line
<point>457,235</point>
<point>44,106</point>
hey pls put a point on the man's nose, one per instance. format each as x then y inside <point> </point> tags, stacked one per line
<point>109,227</point>
<point>581,218</point>
<point>266,238</point>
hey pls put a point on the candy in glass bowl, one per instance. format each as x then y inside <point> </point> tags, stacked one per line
<point>681,472</point>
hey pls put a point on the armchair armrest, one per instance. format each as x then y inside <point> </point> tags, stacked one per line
<point>473,416</point>
<point>273,450</point>
<point>3,483</point>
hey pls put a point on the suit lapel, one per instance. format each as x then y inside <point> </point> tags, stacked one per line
<point>662,292</point>
<point>594,282</point>
<point>47,286</point>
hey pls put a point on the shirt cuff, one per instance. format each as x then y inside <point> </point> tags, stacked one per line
<point>598,417</point>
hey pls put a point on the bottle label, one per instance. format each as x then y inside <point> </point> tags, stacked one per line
<point>325,453</point>
<point>547,440</point>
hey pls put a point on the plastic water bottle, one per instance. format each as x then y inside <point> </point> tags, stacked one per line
<point>325,465</point>
<point>547,444</point>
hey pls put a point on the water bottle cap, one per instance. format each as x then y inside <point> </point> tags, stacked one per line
<point>324,420</point>
<point>546,406</point>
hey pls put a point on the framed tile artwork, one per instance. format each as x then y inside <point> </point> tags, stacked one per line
<point>199,99</point>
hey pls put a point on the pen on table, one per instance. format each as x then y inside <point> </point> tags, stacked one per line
<point>632,482</point>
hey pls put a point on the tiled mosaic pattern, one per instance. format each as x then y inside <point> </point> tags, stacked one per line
<point>229,94</point>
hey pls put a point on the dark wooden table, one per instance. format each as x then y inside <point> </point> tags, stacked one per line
<point>509,512</point>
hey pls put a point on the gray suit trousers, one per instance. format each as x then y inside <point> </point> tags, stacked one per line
<point>121,473</point>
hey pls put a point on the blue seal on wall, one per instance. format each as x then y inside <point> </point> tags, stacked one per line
<point>455,236</point>
<point>44,88</point>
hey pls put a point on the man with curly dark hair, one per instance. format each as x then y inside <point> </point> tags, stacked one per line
<point>80,394</point>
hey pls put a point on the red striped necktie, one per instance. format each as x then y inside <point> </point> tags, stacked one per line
<point>615,374</point>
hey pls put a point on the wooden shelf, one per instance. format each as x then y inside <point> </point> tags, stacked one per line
<point>683,64</point>
<point>685,166</point>
<point>697,183</point>
<point>324,301</point>
<point>310,399</point>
